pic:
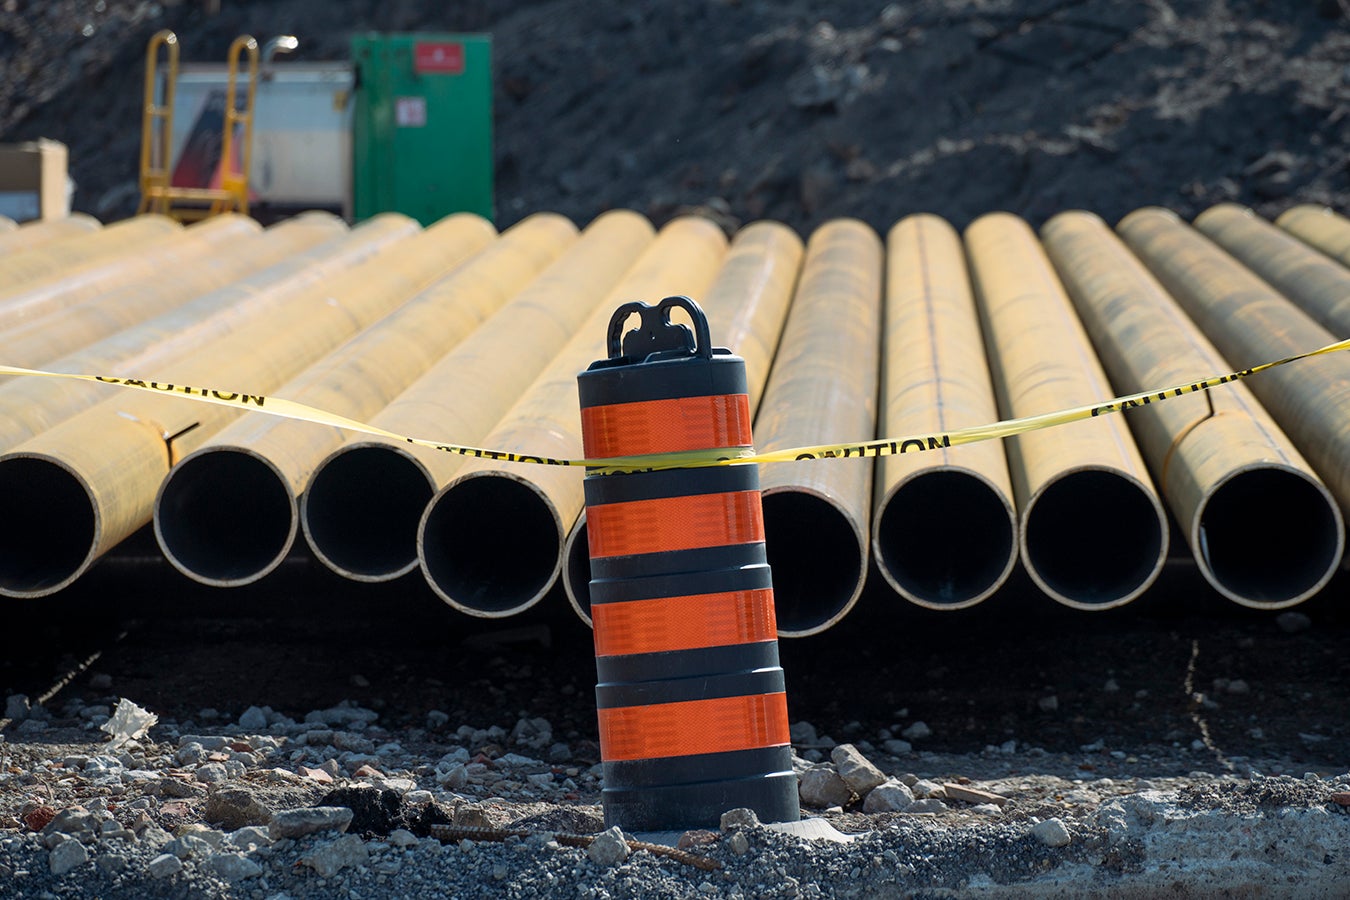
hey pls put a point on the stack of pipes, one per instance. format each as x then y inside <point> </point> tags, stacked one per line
<point>241,488</point>
<point>76,490</point>
<point>459,334</point>
<point>33,234</point>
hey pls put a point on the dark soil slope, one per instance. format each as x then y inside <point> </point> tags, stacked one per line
<point>789,110</point>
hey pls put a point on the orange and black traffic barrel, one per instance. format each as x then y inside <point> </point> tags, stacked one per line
<point>690,693</point>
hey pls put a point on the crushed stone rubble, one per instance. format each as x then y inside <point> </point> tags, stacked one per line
<point>104,800</point>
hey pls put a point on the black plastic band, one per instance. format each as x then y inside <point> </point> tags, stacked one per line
<point>683,664</point>
<point>681,690</point>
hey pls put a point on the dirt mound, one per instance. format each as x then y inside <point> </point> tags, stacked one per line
<point>789,110</point>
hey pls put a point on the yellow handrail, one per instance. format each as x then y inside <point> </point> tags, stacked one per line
<point>231,181</point>
<point>157,123</point>
<point>190,203</point>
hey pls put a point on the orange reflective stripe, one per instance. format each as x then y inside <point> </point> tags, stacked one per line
<point>683,623</point>
<point>675,523</point>
<point>694,726</point>
<point>666,426</point>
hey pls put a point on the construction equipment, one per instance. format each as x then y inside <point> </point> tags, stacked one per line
<point>228,188</point>
<point>404,125</point>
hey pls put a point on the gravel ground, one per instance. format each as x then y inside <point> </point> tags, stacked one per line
<point>1180,747</point>
<point>335,805</point>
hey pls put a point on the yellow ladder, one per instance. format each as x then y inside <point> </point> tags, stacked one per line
<point>191,203</point>
<point>157,120</point>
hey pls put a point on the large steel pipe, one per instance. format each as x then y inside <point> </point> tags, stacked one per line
<point>43,231</point>
<point>1092,532</point>
<point>1320,228</point>
<point>39,280</point>
<point>74,491</point>
<point>31,405</point>
<point>1219,458</point>
<point>490,542</point>
<point>746,307</point>
<point>944,529</point>
<point>1251,323</point>
<point>263,463</point>
<point>197,264</point>
<point>1318,285</point>
<point>822,389</point>
<point>139,266</point>
<point>363,502</point>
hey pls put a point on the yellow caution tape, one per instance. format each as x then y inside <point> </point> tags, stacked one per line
<point>290,409</point>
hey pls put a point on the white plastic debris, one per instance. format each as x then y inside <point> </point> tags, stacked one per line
<point>129,722</point>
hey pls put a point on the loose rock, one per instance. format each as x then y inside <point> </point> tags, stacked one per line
<point>739,817</point>
<point>67,856</point>
<point>232,867</point>
<point>164,865</point>
<point>917,732</point>
<point>334,856</point>
<point>1051,833</point>
<point>822,788</point>
<point>891,796</point>
<point>856,770</point>
<point>294,823</point>
<point>609,848</point>
<point>16,707</point>
<point>234,808</point>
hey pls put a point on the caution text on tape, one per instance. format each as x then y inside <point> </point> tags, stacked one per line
<point>895,446</point>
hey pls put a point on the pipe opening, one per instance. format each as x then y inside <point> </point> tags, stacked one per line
<point>490,544</point>
<point>361,511</point>
<point>945,538</point>
<point>224,517</point>
<point>1094,538</point>
<point>47,530</point>
<point>816,558</point>
<point>1268,566</point>
<point>577,570</point>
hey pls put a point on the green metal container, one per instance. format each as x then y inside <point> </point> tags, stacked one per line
<point>422,126</point>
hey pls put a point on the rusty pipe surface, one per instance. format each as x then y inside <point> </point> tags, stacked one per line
<point>944,529</point>
<point>1320,228</point>
<point>31,405</point>
<point>76,490</point>
<point>822,389</point>
<point>362,505</point>
<point>746,307</point>
<point>145,263</point>
<point>43,231</point>
<point>1318,285</point>
<point>1219,458</point>
<point>241,488</point>
<point>36,280</point>
<point>460,546</point>
<point>1251,323</point>
<point>1092,532</point>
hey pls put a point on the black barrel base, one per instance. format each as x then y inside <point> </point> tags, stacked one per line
<point>773,797</point>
